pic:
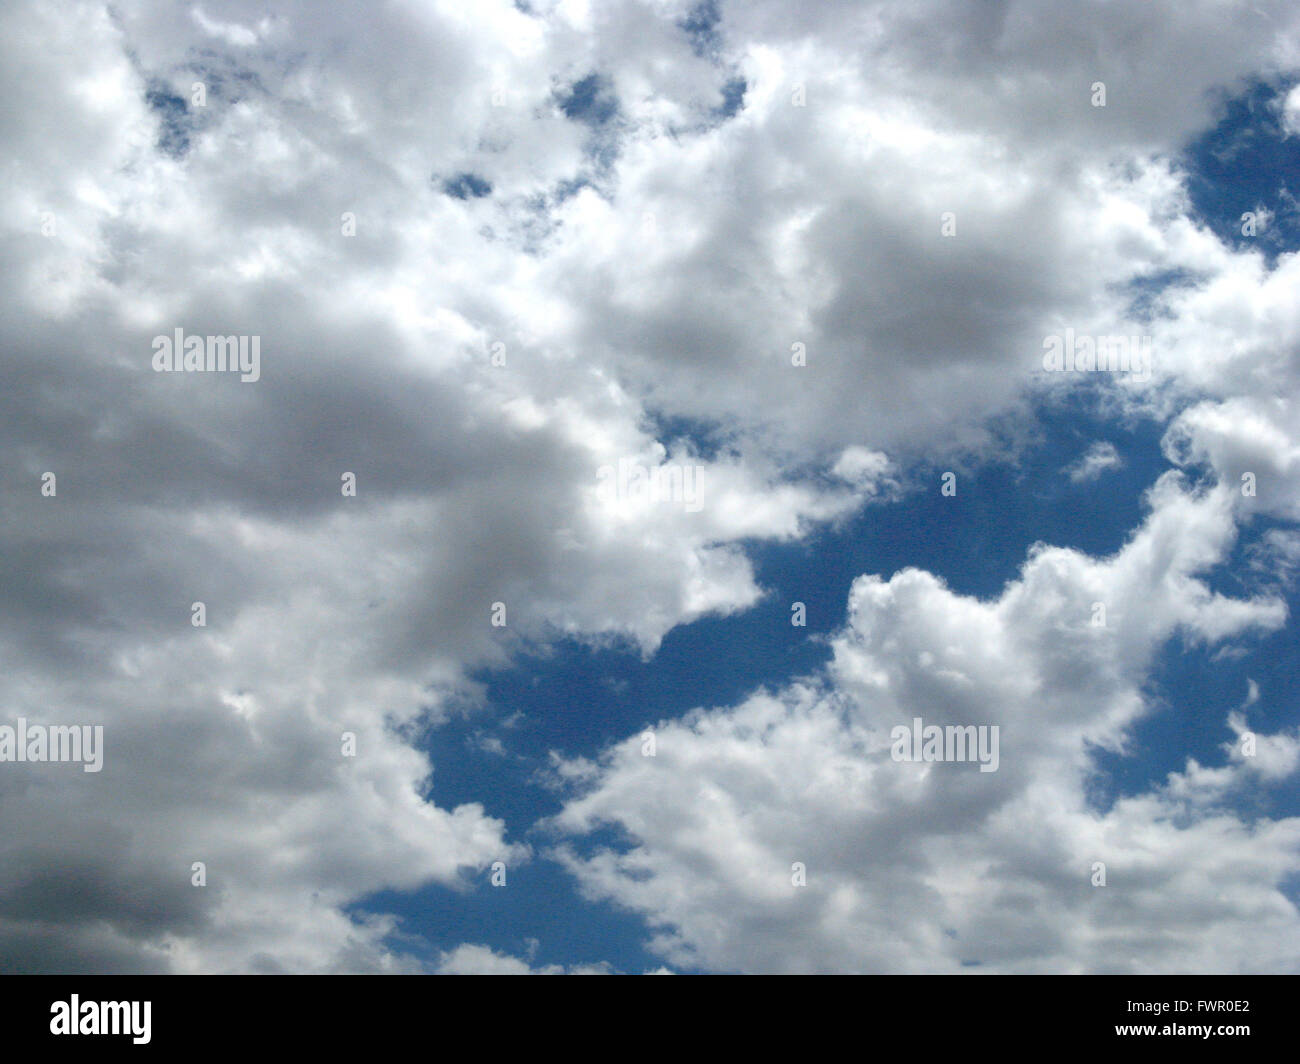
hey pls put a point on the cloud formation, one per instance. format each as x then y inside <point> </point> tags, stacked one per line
<point>763,264</point>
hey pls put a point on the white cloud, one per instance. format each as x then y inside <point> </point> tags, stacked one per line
<point>1291,111</point>
<point>1098,458</point>
<point>482,960</point>
<point>920,867</point>
<point>661,264</point>
<point>326,614</point>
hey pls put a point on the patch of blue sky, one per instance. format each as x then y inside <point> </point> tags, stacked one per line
<point>1247,162</point>
<point>174,124</point>
<point>538,915</point>
<point>1191,691</point>
<point>701,27</point>
<point>591,101</point>
<point>733,97</point>
<point>464,186</point>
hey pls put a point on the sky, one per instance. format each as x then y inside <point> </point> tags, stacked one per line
<point>647,410</point>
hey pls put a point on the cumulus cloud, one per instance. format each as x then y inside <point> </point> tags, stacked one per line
<point>491,263</point>
<point>482,960</point>
<point>926,867</point>
<point>327,615</point>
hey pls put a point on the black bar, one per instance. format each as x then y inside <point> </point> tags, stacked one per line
<point>800,1015</point>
